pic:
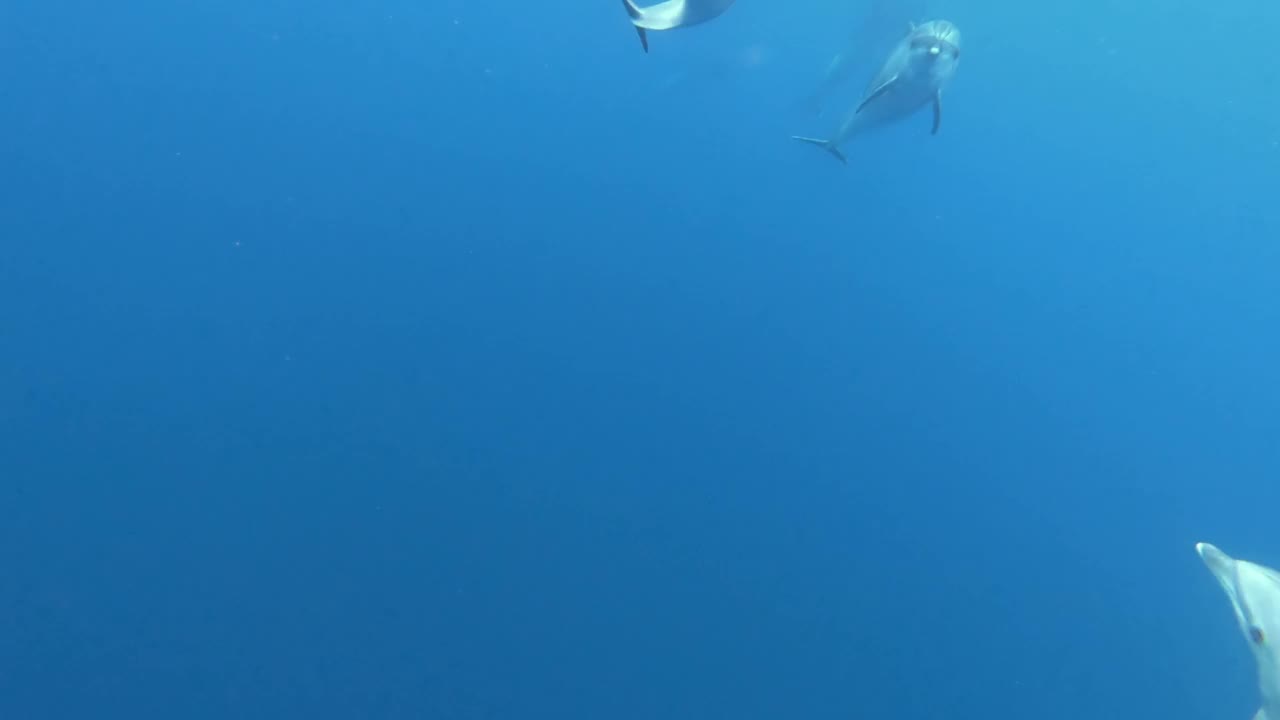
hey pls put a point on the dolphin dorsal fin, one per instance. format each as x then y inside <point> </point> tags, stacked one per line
<point>879,90</point>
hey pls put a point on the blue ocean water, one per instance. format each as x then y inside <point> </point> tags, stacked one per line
<point>460,360</point>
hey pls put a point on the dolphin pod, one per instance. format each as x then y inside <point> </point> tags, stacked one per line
<point>913,75</point>
<point>672,14</point>
<point>1254,592</point>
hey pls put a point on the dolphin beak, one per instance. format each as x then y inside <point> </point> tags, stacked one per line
<point>935,50</point>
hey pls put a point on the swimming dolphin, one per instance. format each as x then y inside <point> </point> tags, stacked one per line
<point>913,76</point>
<point>672,14</point>
<point>1255,595</point>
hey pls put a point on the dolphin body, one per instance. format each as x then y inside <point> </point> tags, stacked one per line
<point>874,35</point>
<point>913,76</point>
<point>672,14</point>
<point>1254,591</point>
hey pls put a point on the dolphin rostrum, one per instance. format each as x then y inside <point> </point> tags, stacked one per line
<point>672,14</point>
<point>913,76</point>
<point>1254,591</point>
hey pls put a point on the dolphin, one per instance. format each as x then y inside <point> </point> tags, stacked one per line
<point>672,14</point>
<point>913,76</point>
<point>1254,591</point>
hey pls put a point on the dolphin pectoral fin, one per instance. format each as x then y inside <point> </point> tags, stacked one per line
<point>881,89</point>
<point>637,16</point>
<point>825,145</point>
<point>633,11</point>
<point>937,112</point>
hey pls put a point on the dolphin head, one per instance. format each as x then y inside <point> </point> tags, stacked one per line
<point>1254,592</point>
<point>936,45</point>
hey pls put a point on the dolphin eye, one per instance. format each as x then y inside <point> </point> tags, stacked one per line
<point>1256,634</point>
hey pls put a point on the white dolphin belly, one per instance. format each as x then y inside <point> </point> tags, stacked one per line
<point>905,98</point>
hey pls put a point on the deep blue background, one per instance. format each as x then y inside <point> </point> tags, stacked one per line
<point>458,360</point>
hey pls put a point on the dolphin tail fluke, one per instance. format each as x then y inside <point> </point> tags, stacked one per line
<point>634,12</point>
<point>825,145</point>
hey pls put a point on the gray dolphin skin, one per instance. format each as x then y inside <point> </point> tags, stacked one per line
<point>1254,592</point>
<point>874,34</point>
<point>672,14</point>
<point>913,76</point>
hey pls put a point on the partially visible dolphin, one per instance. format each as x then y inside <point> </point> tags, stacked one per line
<point>1254,591</point>
<point>872,37</point>
<point>913,76</point>
<point>672,14</point>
